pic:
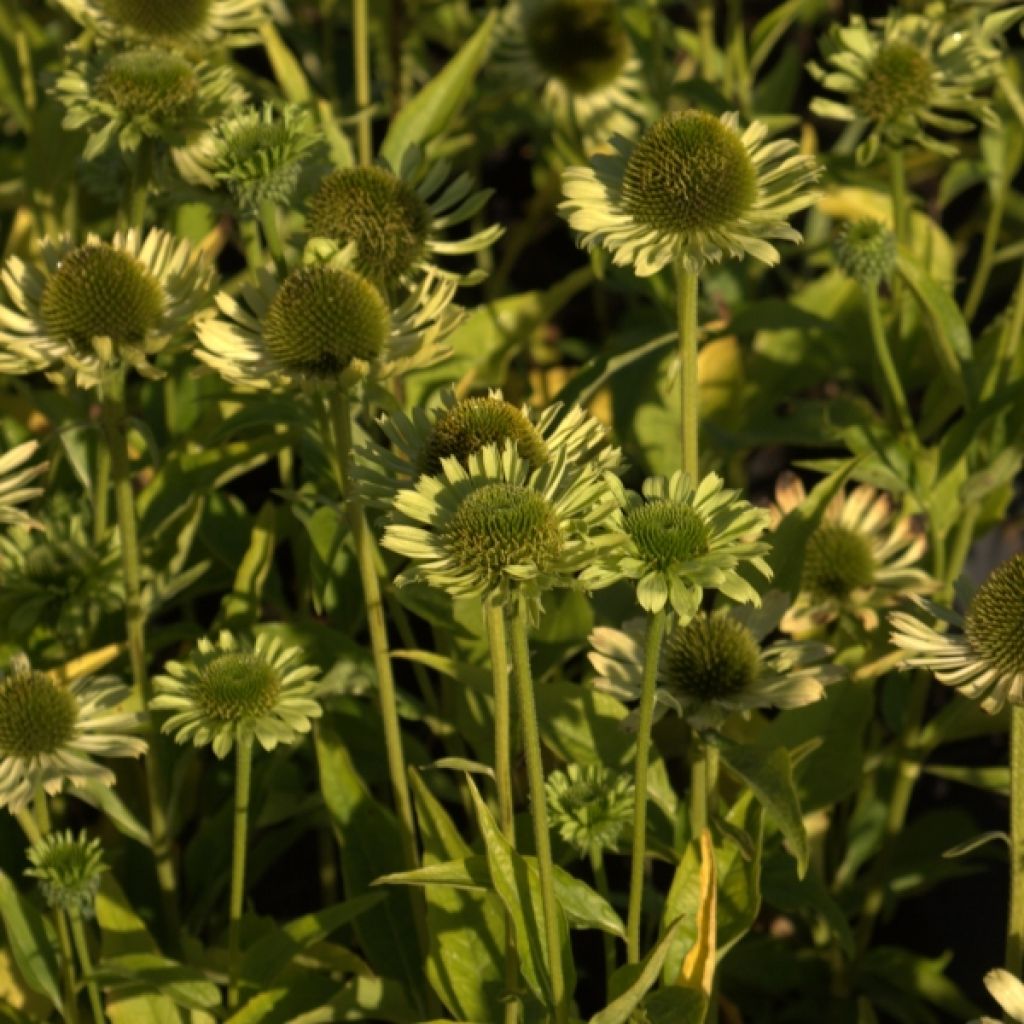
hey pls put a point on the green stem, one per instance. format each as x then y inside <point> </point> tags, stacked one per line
<point>700,775</point>
<point>601,881</point>
<point>652,652</point>
<point>883,354</point>
<point>101,495</point>
<point>252,244</point>
<point>141,174</point>
<point>361,63</point>
<point>85,962</point>
<point>900,212</point>
<point>243,784</point>
<point>497,640</point>
<point>114,423</point>
<point>1014,962</point>
<point>67,959</point>
<point>538,806</point>
<point>340,447</point>
<point>686,318</point>
<point>272,232</point>
<point>706,40</point>
<point>989,241</point>
<point>1009,339</point>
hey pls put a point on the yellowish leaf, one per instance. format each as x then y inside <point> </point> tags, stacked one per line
<point>698,970</point>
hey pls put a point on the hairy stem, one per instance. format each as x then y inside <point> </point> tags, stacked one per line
<point>608,941</point>
<point>85,962</point>
<point>272,233</point>
<point>538,806</point>
<point>361,64</point>
<point>883,354</point>
<point>686,316</point>
<point>1014,961</point>
<point>652,652</point>
<point>239,840</point>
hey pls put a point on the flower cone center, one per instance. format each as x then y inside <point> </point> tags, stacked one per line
<point>897,82</point>
<point>37,716</point>
<point>470,424</point>
<point>235,686</point>
<point>148,83</point>
<point>501,525</point>
<point>581,42</point>
<point>837,562</point>
<point>667,532</point>
<point>159,18</point>
<point>995,619</point>
<point>688,172</point>
<point>378,211</point>
<point>97,292</point>
<point>321,318</point>
<point>711,658</point>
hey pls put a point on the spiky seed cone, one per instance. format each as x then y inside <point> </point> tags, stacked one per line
<point>995,619</point>
<point>37,715</point>
<point>688,173</point>
<point>713,657</point>
<point>667,532</point>
<point>464,428</point>
<point>866,250</point>
<point>236,686</point>
<point>502,525</point>
<point>898,81</point>
<point>322,318</point>
<point>148,82</point>
<point>837,561</point>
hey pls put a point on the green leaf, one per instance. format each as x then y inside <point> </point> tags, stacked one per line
<point>518,886</point>
<point>370,845</point>
<point>646,974</point>
<point>436,105</point>
<point>269,956</point>
<point>28,942</point>
<point>134,973</point>
<point>582,725</point>
<point>105,799</point>
<point>287,69</point>
<point>769,773</point>
<point>675,1005</point>
<point>241,607</point>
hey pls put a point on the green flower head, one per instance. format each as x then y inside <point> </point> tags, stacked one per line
<point>866,251</point>
<point>692,189</point>
<point>226,692</point>
<point>68,869</point>
<point>590,806</point>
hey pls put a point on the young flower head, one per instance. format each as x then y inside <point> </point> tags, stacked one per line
<point>580,56</point>
<point>498,527</point>
<point>983,654</point>
<point>259,154</point>
<point>68,869</point>
<point>100,304</point>
<point>714,665</point>
<point>50,731</point>
<point>225,692</point>
<point>859,559</point>
<point>324,325</point>
<point>677,540</point>
<point>461,427</point>
<point>693,188</point>
<point>173,24</point>
<point>590,806</point>
<point>866,251</point>
<point>904,77</point>
<point>122,97</point>
<point>397,221</point>
<point>14,475</point>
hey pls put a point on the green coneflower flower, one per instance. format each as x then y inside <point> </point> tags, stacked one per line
<point>866,251</point>
<point>125,96</point>
<point>578,53</point>
<point>497,527</point>
<point>903,77</point>
<point>397,221</point>
<point>50,731</point>
<point>68,869</point>
<point>859,559</point>
<point>677,540</point>
<point>693,188</point>
<point>259,154</point>
<point>100,304</point>
<point>590,806</point>
<point>984,656</point>
<point>178,24</point>
<point>715,665</point>
<point>458,428</point>
<point>14,475</point>
<point>324,324</point>
<point>224,691</point>
<point>58,577</point>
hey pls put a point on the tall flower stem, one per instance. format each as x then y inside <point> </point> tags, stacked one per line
<point>989,241</point>
<point>114,422</point>
<point>497,640</point>
<point>101,495</point>
<point>652,652</point>
<point>686,317</point>
<point>142,171</point>
<point>538,805</point>
<point>272,232</point>
<point>361,64</point>
<point>85,962</point>
<point>1014,961</point>
<point>900,212</point>
<point>339,427</point>
<point>706,40</point>
<point>239,838</point>
<point>601,881</point>
<point>897,397</point>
